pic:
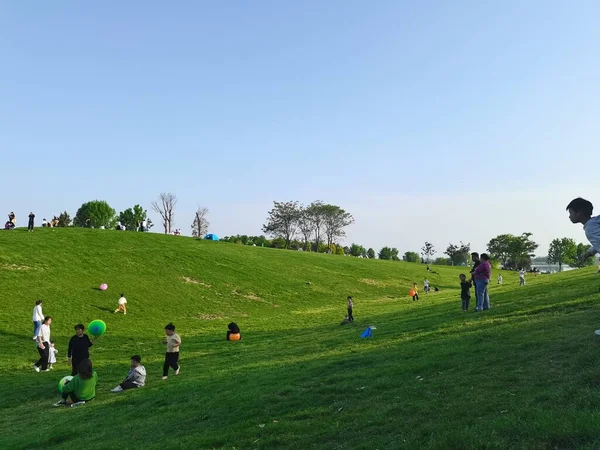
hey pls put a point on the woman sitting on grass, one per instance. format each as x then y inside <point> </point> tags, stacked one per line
<point>233,334</point>
<point>82,388</point>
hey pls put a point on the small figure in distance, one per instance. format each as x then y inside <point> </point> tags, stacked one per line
<point>416,292</point>
<point>426,287</point>
<point>136,377</point>
<point>122,305</point>
<point>350,307</point>
<point>233,332</point>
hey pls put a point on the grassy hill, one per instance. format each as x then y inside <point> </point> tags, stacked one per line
<point>522,375</point>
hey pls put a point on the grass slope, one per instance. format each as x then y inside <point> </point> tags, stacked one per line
<point>522,375</point>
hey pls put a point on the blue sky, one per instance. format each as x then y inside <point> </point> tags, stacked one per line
<point>444,121</point>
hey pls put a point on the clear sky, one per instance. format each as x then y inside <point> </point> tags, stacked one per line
<point>433,120</point>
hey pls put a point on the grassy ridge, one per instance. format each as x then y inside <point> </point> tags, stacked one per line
<point>523,375</point>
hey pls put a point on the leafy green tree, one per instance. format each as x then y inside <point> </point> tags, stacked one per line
<point>371,253</point>
<point>64,220</point>
<point>395,256</point>
<point>131,218</point>
<point>335,219</point>
<point>562,251</point>
<point>513,251</point>
<point>282,221</point>
<point>385,253</point>
<point>95,214</point>
<point>428,251</point>
<point>580,261</point>
<point>459,255</point>
<point>441,261</point>
<point>306,225</point>
<point>357,250</point>
<point>411,257</point>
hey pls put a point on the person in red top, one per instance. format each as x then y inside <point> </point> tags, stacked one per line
<point>482,275</point>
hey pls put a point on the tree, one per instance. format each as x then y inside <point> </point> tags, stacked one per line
<point>562,251</point>
<point>335,219</point>
<point>132,218</point>
<point>95,214</point>
<point>200,224</point>
<point>441,261</point>
<point>389,253</point>
<point>357,250</point>
<point>513,251</point>
<point>580,261</point>
<point>306,225</point>
<point>428,251</point>
<point>64,220</point>
<point>165,205</point>
<point>315,214</point>
<point>283,221</point>
<point>371,253</point>
<point>459,255</point>
<point>411,257</point>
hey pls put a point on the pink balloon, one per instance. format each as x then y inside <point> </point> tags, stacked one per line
<point>103,286</point>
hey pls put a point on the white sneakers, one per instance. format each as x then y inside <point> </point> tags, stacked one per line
<point>177,371</point>
<point>36,368</point>
<point>117,389</point>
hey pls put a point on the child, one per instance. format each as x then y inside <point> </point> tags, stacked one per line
<point>416,291</point>
<point>499,279</point>
<point>233,332</point>
<point>426,286</point>
<point>521,277</point>
<point>580,211</point>
<point>79,348</point>
<point>122,306</point>
<point>350,306</point>
<point>52,356</point>
<point>465,291</point>
<point>136,377</point>
<point>82,388</point>
<point>173,342</point>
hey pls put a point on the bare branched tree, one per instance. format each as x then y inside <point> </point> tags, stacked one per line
<point>164,206</point>
<point>200,224</point>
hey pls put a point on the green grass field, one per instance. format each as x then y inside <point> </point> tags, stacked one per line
<point>524,375</point>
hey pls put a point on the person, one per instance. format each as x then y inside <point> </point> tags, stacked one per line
<point>173,342</point>
<point>476,262</point>
<point>12,219</point>
<point>465,291</point>
<point>426,288</point>
<point>82,388</point>
<point>144,225</point>
<point>233,332</point>
<point>136,377</point>
<point>416,292</point>
<point>31,221</point>
<point>580,211</point>
<point>43,339</point>
<point>428,268</point>
<point>499,279</point>
<point>38,318</point>
<point>482,276</point>
<point>350,306</point>
<point>122,304</point>
<point>44,223</point>
<point>521,277</point>
<point>79,348</point>
<point>52,356</point>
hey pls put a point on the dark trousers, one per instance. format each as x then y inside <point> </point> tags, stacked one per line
<point>350,316</point>
<point>75,365</point>
<point>171,359</point>
<point>128,385</point>
<point>44,356</point>
<point>465,303</point>
<point>30,225</point>
<point>415,297</point>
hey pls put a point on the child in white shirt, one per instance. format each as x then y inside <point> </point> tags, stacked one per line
<point>122,305</point>
<point>52,357</point>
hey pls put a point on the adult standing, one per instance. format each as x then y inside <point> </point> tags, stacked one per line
<point>522,277</point>
<point>482,275</point>
<point>79,348</point>
<point>31,221</point>
<point>476,262</point>
<point>43,339</point>
<point>38,318</point>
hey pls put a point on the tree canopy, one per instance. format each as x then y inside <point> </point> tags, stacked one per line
<point>95,214</point>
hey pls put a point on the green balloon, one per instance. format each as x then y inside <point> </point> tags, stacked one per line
<point>62,382</point>
<point>97,328</point>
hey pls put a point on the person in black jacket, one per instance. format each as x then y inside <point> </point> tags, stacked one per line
<point>79,346</point>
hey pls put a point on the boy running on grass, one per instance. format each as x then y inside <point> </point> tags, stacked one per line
<point>173,342</point>
<point>580,211</point>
